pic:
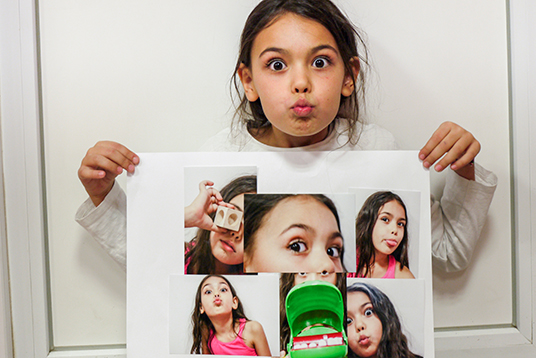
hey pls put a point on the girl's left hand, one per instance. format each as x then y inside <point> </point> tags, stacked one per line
<point>451,145</point>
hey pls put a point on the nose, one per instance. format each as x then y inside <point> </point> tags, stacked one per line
<point>359,324</point>
<point>320,261</point>
<point>394,228</point>
<point>301,83</point>
<point>237,235</point>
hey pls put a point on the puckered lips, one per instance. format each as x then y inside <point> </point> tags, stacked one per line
<point>228,246</point>
<point>302,108</point>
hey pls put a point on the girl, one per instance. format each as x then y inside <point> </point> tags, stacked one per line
<point>216,250</point>
<point>289,280</point>
<point>220,325</point>
<point>302,79</point>
<point>373,326</point>
<point>292,232</point>
<point>382,237</point>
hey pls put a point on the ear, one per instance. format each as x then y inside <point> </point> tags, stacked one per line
<point>348,87</point>
<point>235,302</point>
<point>202,310</point>
<point>247,82</point>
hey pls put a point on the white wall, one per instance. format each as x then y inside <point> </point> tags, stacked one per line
<point>154,76</point>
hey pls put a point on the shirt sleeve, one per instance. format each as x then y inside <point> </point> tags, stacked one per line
<point>107,223</point>
<point>458,218</point>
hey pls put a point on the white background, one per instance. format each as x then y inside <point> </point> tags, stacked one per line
<point>77,35</point>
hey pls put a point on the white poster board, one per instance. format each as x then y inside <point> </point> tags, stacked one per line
<point>155,231</point>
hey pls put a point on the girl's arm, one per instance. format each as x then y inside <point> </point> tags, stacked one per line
<point>260,343</point>
<point>451,145</point>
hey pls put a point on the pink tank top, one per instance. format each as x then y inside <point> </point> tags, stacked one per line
<point>391,269</point>
<point>236,347</point>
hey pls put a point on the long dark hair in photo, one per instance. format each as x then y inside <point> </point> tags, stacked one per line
<point>203,330</point>
<point>364,226</point>
<point>198,250</point>
<point>393,343</point>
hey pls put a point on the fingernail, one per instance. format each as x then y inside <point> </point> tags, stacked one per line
<point>426,164</point>
<point>453,167</point>
<point>119,170</point>
<point>422,156</point>
<point>136,160</point>
<point>131,168</point>
<point>438,168</point>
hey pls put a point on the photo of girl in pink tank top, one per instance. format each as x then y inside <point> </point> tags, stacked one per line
<point>220,325</point>
<point>382,237</point>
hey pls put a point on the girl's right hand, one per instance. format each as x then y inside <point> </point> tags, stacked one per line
<point>197,214</point>
<point>102,163</point>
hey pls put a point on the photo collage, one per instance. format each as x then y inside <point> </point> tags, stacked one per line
<point>280,254</point>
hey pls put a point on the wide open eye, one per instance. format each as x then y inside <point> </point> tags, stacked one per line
<point>276,65</point>
<point>349,321</point>
<point>369,312</point>
<point>320,62</point>
<point>334,251</point>
<point>208,292</point>
<point>297,246</point>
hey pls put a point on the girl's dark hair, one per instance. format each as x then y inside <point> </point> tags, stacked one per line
<point>286,282</point>
<point>257,206</point>
<point>394,343</point>
<point>199,252</point>
<point>366,219</point>
<point>343,31</point>
<point>203,330</point>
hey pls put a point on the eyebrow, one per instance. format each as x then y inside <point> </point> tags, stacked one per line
<point>391,215</point>
<point>307,228</point>
<point>366,304</point>
<point>218,284</point>
<point>313,50</point>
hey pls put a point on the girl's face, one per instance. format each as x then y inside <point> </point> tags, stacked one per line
<point>363,325</point>
<point>298,234</point>
<point>298,74</point>
<point>389,228</point>
<point>228,248</point>
<point>330,277</point>
<point>216,297</point>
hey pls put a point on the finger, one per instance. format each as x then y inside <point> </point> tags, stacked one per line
<point>443,147</point>
<point>434,140</point>
<point>203,185</point>
<point>90,173</point>
<point>127,153</point>
<point>118,153</point>
<point>458,150</point>
<point>102,162</point>
<point>215,194</point>
<point>468,157</point>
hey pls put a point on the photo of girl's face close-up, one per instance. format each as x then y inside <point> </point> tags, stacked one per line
<point>299,234</point>
<point>389,228</point>
<point>363,325</point>
<point>228,247</point>
<point>217,297</point>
